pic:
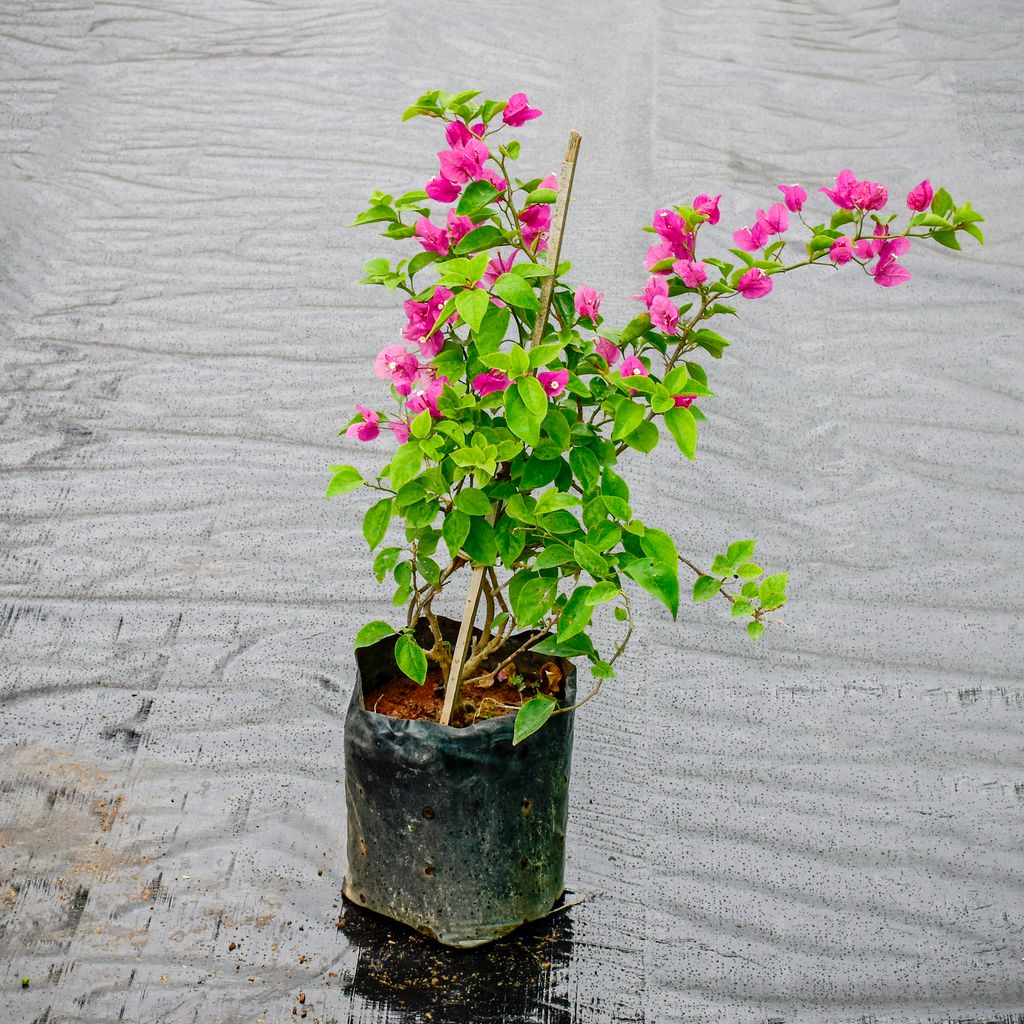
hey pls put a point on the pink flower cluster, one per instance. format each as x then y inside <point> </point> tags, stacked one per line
<point>774,221</point>
<point>422,317</point>
<point>851,194</point>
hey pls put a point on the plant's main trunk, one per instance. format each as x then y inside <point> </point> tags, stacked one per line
<point>454,832</point>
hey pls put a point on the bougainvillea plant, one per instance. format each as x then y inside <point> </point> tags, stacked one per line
<point>507,454</point>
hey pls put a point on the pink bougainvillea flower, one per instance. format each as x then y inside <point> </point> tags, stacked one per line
<point>431,237</point>
<point>587,302</point>
<point>368,429</point>
<point>632,367</point>
<point>423,315</point>
<point>553,381</point>
<point>754,283</point>
<point>708,205</point>
<point>397,365</point>
<point>465,162</point>
<point>607,351</point>
<point>492,176</point>
<point>684,401</point>
<point>399,429</point>
<point>869,195</point>
<point>426,390</point>
<point>693,273</point>
<point>672,230</point>
<point>518,111</point>
<point>535,220</point>
<point>865,248</point>
<point>752,238</point>
<point>441,190</point>
<point>499,265</point>
<point>458,134</point>
<point>794,197</point>
<point>656,254</point>
<point>919,198</point>
<point>841,250</point>
<point>891,248</point>
<point>479,129</point>
<point>840,195</point>
<point>664,314</point>
<point>492,380</point>
<point>775,220</point>
<point>655,286</point>
<point>889,273</point>
<point>549,182</point>
<point>458,227</point>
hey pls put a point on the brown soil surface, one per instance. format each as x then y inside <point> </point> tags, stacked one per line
<point>487,698</point>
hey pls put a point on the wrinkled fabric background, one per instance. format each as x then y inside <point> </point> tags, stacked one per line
<point>825,826</point>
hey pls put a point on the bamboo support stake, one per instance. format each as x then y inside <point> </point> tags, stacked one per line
<point>460,653</point>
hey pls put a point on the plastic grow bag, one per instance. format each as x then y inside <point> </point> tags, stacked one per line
<point>454,832</point>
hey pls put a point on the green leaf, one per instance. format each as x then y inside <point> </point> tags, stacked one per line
<point>472,305</point>
<point>554,499</point>
<point>657,579</point>
<point>520,420</point>
<point>947,238</point>
<point>604,591</point>
<point>602,670</point>
<point>372,632</point>
<point>530,270</point>
<point>571,648</point>
<point>711,341</point>
<point>541,196</point>
<point>628,416</point>
<point>589,559</point>
<point>683,427</point>
<point>455,530</point>
<point>405,464</point>
<point>774,585</point>
<point>473,502</point>
<point>575,615</point>
<point>375,522</point>
<point>644,438</point>
<point>749,571</point>
<point>553,555</point>
<point>492,329</point>
<point>410,659</point>
<point>534,397</point>
<point>487,236</point>
<point>612,485</point>
<point>942,203</point>
<point>516,292</point>
<point>530,717</point>
<point>534,599</point>
<point>585,467</point>
<point>421,424</point>
<point>541,355</point>
<point>489,110</point>
<point>385,561</point>
<point>476,195</point>
<point>621,614</point>
<point>636,327</point>
<point>740,609</point>
<point>345,479</point>
<point>705,588</point>
<point>739,551</point>
<point>755,629</point>
<point>481,544</point>
<point>374,214</point>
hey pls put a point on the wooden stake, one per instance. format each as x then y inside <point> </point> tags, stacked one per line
<point>460,653</point>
